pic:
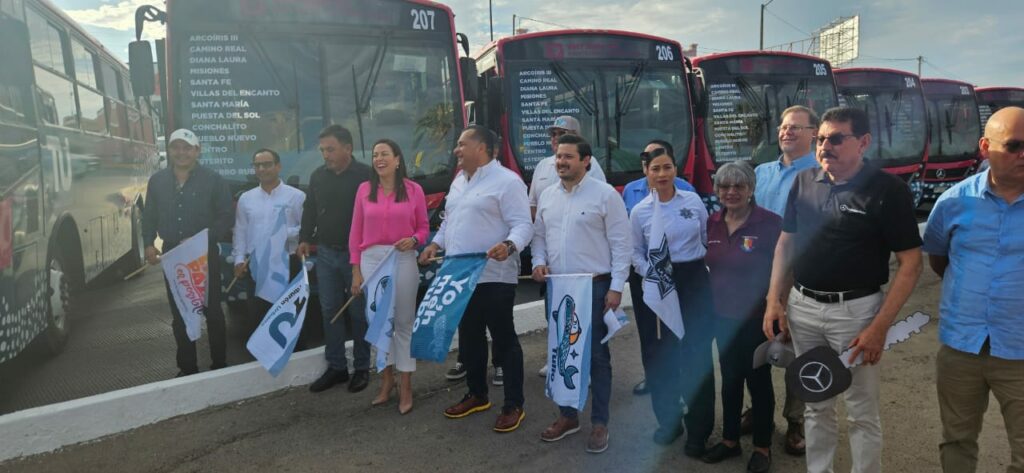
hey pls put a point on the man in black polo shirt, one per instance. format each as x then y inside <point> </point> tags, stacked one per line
<point>326,220</point>
<point>841,224</point>
<point>182,200</point>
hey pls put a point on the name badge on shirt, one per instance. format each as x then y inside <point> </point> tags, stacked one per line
<point>748,243</point>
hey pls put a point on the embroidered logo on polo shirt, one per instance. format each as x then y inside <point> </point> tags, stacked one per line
<point>748,243</point>
<point>686,213</point>
<point>847,208</point>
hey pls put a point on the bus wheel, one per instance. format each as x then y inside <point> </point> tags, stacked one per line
<point>59,303</point>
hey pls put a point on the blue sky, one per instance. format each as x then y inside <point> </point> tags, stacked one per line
<point>981,43</point>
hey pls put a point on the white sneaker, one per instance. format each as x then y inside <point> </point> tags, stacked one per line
<point>543,371</point>
<point>499,376</point>
<point>456,372</point>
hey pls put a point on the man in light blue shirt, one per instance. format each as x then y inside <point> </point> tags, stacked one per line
<point>774,180</point>
<point>796,139</point>
<point>635,191</point>
<point>975,243</point>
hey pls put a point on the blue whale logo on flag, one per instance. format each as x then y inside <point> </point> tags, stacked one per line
<point>570,335</point>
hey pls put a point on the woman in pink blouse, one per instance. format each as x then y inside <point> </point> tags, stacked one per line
<point>391,212</point>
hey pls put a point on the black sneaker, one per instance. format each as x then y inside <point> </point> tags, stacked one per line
<point>328,379</point>
<point>695,450</point>
<point>720,452</point>
<point>456,373</point>
<point>759,462</point>
<point>360,379</point>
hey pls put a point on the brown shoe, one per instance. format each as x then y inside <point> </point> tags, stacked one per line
<point>468,405</point>
<point>795,444</point>
<point>509,419</point>
<point>562,427</point>
<point>598,441</point>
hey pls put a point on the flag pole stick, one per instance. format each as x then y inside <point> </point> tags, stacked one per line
<point>235,279</point>
<point>136,272</point>
<point>659,329</point>
<point>435,259</point>
<point>342,309</point>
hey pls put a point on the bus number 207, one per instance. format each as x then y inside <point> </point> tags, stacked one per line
<point>422,19</point>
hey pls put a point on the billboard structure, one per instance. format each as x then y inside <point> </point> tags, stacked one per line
<point>838,42</point>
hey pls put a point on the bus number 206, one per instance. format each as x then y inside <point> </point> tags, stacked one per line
<point>664,52</point>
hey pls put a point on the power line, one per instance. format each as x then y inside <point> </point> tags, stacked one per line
<point>947,73</point>
<point>777,17</point>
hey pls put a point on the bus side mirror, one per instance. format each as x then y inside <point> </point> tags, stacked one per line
<point>494,103</point>
<point>470,86</point>
<point>140,67</point>
<point>699,100</point>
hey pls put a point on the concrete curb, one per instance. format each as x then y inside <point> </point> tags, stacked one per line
<point>48,428</point>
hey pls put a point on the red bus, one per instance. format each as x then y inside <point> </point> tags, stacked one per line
<point>899,122</point>
<point>251,74</point>
<point>625,89</point>
<point>954,131</point>
<point>743,96</point>
<point>991,99</point>
<point>76,148</point>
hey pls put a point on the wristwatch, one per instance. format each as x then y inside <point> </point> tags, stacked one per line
<point>416,241</point>
<point>511,246</point>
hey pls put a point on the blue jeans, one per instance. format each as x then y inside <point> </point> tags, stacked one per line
<point>600,361</point>
<point>334,276</point>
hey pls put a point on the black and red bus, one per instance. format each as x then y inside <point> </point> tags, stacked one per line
<point>899,122</point>
<point>625,89</point>
<point>991,99</point>
<point>76,149</point>
<point>742,98</point>
<point>251,74</point>
<point>954,127</point>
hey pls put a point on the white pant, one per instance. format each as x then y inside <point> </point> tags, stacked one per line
<point>814,324</point>
<point>407,276</point>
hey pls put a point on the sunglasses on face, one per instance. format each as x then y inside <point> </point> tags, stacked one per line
<point>834,139</point>
<point>1010,146</point>
<point>653,154</point>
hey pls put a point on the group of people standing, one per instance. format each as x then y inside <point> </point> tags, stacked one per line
<point>800,250</point>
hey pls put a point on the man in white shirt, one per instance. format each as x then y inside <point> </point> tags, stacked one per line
<point>487,211</point>
<point>544,174</point>
<point>257,212</point>
<point>581,226</point>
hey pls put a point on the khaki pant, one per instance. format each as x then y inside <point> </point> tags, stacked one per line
<point>964,381</point>
<point>814,324</point>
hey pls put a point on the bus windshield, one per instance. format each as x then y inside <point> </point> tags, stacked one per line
<point>746,96</point>
<point>243,91</point>
<point>990,101</point>
<point>955,125</point>
<point>621,106</point>
<point>899,126</point>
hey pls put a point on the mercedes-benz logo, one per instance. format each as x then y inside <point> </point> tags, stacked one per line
<point>940,173</point>
<point>815,377</point>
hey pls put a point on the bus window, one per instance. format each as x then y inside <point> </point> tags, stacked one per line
<point>134,124</point>
<point>47,49</point>
<point>56,99</point>
<point>11,7</point>
<point>111,83</point>
<point>93,115</point>
<point>85,67</point>
<point>116,118</point>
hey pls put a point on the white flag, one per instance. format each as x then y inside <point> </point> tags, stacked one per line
<point>273,342</point>
<point>659,289</point>
<point>187,272</point>
<point>615,320</point>
<point>569,302</point>
<point>379,289</point>
<point>270,261</point>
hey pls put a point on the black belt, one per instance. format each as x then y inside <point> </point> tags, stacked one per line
<point>834,297</point>
<point>602,277</point>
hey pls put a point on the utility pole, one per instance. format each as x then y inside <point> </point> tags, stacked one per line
<point>763,7</point>
<point>920,59</point>
<point>490,16</point>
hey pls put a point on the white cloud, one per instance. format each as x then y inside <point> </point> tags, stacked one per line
<point>117,15</point>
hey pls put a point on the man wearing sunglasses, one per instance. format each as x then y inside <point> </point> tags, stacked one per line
<point>255,220</point>
<point>545,174</point>
<point>975,242</point>
<point>774,180</point>
<point>842,222</point>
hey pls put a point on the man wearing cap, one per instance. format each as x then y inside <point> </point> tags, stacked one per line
<point>181,201</point>
<point>841,225</point>
<point>545,174</point>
